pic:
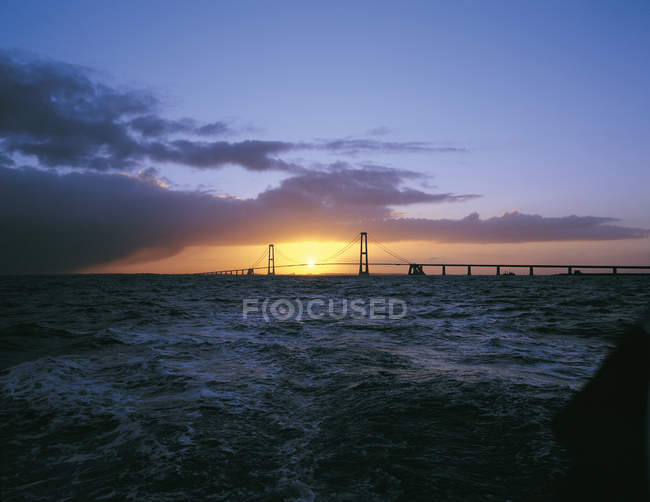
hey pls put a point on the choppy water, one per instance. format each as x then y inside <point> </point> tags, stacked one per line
<point>155,388</point>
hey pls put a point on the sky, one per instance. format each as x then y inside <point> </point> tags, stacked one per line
<point>186,136</point>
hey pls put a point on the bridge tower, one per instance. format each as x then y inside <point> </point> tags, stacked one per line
<point>270,268</point>
<point>363,252</point>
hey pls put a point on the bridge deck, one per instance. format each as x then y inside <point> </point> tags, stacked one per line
<point>468,266</point>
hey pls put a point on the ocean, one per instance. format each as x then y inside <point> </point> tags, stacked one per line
<point>155,387</point>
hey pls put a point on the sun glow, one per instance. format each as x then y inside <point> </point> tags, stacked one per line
<point>310,262</point>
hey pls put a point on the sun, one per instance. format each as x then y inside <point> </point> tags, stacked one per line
<point>310,263</point>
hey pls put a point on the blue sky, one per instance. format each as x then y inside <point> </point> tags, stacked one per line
<point>549,100</point>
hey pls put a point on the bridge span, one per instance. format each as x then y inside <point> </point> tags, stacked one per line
<point>414,268</point>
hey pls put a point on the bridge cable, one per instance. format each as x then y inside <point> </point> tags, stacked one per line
<point>341,251</point>
<point>392,253</point>
<point>385,247</point>
<point>288,258</point>
<point>266,250</point>
<point>337,254</point>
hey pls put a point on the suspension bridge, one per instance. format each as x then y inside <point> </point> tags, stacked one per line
<point>399,261</point>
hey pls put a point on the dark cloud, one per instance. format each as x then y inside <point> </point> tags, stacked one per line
<point>153,126</point>
<point>252,155</point>
<point>65,117</point>
<point>56,223</point>
<point>213,129</point>
<point>61,115</point>
<point>345,186</point>
<point>57,113</point>
<point>512,227</point>
<point>354,146</point>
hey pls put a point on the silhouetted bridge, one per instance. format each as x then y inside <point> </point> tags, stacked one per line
<point>414,268</point>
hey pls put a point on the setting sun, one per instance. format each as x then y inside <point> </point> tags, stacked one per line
<point>310,263</point>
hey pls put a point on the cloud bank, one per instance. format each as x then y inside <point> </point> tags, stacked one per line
<point>61,223</point>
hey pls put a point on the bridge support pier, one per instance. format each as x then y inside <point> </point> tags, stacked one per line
<point>251,271</point>
<point>363,252</point>
<point>614,270</point>
<point>444,270</point>
<point>498,270</point>
<point>416,269</point>
<point>469,270</point>
<point>531,271</point>
<point>570,270</point>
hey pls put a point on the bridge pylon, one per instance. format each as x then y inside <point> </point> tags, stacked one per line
<point>270,268</point>
<point>363,255</point>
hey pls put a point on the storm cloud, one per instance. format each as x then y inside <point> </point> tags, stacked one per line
<point>65,116</point>
<point>61,223</point>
